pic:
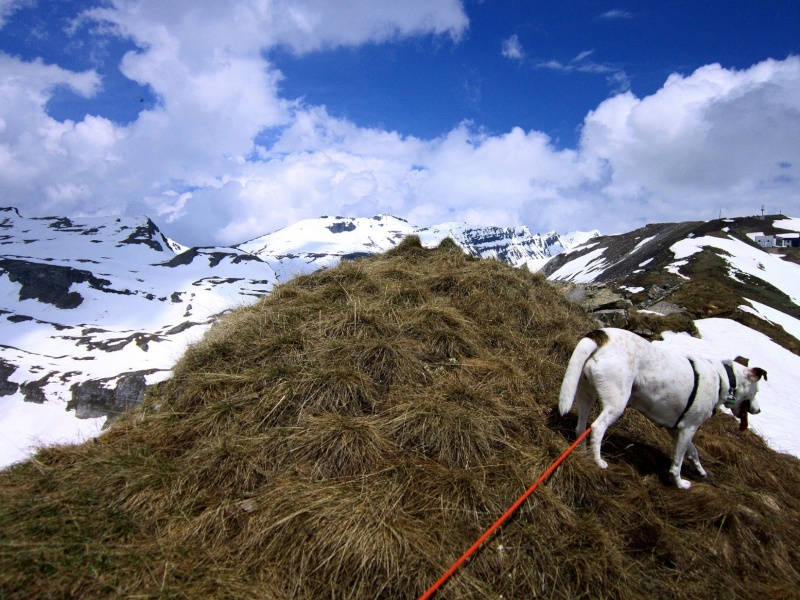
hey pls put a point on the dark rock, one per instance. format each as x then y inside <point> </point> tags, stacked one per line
<point>61,223</point>
<point>7,387</point>
<point>665,308</point>
<point>601,298</point>
<point>32,391</point>
<point>50,283</point>
<point>19,318</point>
<point>356,255</point>
<point>341,227</point>
<point>611,304</point>
<point>93,398</point>
<point>611,318</point>
<point>145,234</point>
<point>184,258</point>
<point>180,328</point>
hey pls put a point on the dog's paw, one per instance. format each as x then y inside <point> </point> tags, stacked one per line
<point>601,463</point>
<point>701,471</point>
<point>684,484</point>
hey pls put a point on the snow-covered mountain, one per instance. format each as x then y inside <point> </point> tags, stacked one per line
<point>313,243</point>
<point>95,309</point>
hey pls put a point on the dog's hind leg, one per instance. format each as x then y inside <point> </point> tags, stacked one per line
<point>694,457</point>
<point>613,390</point>
<point>585,401</point>
<point>605,419</point>
<point>683,446</point>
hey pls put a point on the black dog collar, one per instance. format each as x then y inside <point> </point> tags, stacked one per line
<point>731,400</point>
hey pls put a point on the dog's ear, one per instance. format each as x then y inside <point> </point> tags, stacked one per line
<point>757,373</point>
<point>745,362</point>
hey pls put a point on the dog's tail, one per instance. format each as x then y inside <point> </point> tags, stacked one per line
<point>583,351</point>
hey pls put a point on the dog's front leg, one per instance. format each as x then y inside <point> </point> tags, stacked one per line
<point>683,442</point>
<point>691,450</point>
<point>694,457</point>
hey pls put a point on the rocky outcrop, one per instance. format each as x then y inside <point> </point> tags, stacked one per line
<point>33,390</point>
<point>609,308</point>
<point>49,283</point>
<point>94,398</point>
<point>7,387</point>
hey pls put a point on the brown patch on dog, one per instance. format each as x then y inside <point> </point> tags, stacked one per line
<point>758,373</point>
<point>745,362</point>
<point>598,336</point>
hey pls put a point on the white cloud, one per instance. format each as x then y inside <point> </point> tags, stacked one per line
<point>616,14</point>
<point>582,56</point>
<point>616,78</point>
<point>215,92</point>
<point>34,148</point>
<point>512,48</point>
<point>8,7</point>
<point>714,139</point>
<point>302,25</point>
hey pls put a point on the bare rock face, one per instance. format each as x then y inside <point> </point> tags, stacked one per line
<point>611,317</point>
<point>49,284</point>
<point>33,390</point>
<point>7,387</point>
<point>94,398</point>
<point>609,308</point>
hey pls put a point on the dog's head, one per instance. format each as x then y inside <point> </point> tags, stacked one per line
<point>743,389</point>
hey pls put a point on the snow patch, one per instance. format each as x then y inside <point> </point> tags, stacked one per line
<point>790,324</point>
<point>582,269</point>
<point>642,243</point>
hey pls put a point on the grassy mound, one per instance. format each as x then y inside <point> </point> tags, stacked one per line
<point>350,435</point>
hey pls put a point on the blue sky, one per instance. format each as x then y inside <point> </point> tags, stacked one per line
<point>225,120</point>
<point>425,87</point>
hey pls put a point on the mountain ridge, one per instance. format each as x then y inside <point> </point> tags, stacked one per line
<point>96,309</point>
<point>699,269</point>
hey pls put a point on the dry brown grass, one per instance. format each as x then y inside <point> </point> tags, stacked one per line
<point>350,435</point>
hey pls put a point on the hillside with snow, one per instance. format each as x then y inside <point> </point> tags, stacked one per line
<point>358,427</point>
<point>94,310</point>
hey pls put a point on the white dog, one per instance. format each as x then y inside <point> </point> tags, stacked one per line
<point>671,389</point>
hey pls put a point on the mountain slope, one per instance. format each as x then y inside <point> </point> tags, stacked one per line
<point>93,310</point>
<point>353,432</point>
<point>88,304</point>
<point>699,269</point>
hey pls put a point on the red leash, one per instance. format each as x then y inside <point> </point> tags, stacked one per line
<point>502,519</point>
